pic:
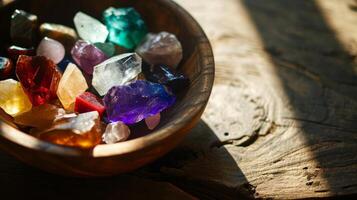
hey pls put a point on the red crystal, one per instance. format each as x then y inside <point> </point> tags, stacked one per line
<point>15,51</point>
<point>88,102</point>
<point>39,78</point>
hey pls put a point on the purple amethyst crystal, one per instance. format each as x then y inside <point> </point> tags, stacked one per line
<point>87,56</point>
<point>136,101</point>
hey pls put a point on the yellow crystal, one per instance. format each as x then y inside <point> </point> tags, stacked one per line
<point>71,85</point>
<point>13,99</point>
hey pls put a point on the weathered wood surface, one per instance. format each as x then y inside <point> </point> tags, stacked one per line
<point>281,122</point>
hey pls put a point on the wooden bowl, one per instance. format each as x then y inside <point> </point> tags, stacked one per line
<point>105,160</point>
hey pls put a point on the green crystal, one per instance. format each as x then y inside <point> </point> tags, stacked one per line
<point>107,48</point>
<point>125,25</point>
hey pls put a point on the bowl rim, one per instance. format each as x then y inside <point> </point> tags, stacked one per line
<point>25,140</point>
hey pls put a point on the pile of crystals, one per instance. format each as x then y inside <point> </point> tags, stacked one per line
<point>87,86</point>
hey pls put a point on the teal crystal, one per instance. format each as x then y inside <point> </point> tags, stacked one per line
<point>107,48</point>
<point>125,25</point>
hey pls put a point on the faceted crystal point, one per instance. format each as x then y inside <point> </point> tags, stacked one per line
<point>64,34</point>
<point>13,99</point>
<point>107,48</point>
<point>87,56</point>
<point>166,76</point>
<point>40,117</point>
<point>23,28</point>
<point>51,49</point>
<point>70,86</point>
<point>152,121</point>
<point>136,101</point>
<point>117,70</point>
<point>83,131</point>
<point>126,28</point>
<point>15,51</point>
<point>6,68</point>
<point>87,102</point>
<point>89,28</point>
<point>162,48</point>
<point>116,132</point>
<point>39,77</point>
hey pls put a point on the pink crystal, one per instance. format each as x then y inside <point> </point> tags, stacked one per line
<point>152,121</point>
<point>51,49</point>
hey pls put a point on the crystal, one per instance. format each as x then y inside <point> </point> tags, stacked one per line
<point>116,132</point>
<point>15,51</point>
<point>126,28</point>
<point>107,48</point>
<point>83,130</point>
<point>117,70</point>
<point>40,117</point>
<point>162,48</point>
<point>166,76</point>
<point>51,49</point>
<point>87,56</point>
<point>152,121</point>
<point>13,99</point>
<point>89,28</point>
<point>23,28</point>
<point>6,68</point>
<point>136,101</point>
<point>39,77</point>
<point>64,34</point>
<point>87,102</point>
<point>70,86</point>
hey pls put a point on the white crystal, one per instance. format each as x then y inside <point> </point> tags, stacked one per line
<point>117,70</point>
<point>89,28</point>
<point>152,121</point>
<point>116,132</point>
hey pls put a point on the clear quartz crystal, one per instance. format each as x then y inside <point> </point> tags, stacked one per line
<point>89,28</point>
<point>116,132</point>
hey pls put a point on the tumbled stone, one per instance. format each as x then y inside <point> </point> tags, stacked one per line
<point>117,70</point>
<point>13,99</point>
<point>64,34</point>
<point>39,77</point>
<point>70,86</point>
<point>87,56</point>
<point>162,48</point>
<point>153,121</point>
<point>40,117</point>
<point>23,28</point>
<point>89,28</point>
<point>116,132</point>
<point>126,28</point>
<point>87,102</point>
<point>166,76</point>
<point>107,48</point>
<point>15,51</point>
<point>83,130</point>
<point>136,101</point>
<point>6,68</point>
<point>51,49</point>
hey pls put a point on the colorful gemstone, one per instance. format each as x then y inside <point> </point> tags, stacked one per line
<point>23,28</point>
<point>89,28</point>
<point>6,68</point>
<point>15,51</point>
<point>87,102</point>
<point>107,48</point>
<point>51,49</point>
<point>64,34</point>
<point>116,132</point>
<point>153,121</point>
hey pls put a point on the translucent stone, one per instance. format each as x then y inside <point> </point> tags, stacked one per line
<point>162,48</point>
<point>70,86</point>
<point>153,121</point>
<point>15,51</point>
<point>117,70</point>
<point>23,28</point>
<point>107,48</point>
<point>89,28</point>
<point>6,68</point>
<point>126,28</point>
<point>64,34</point>
<point>87,102</point>
<point>13,99</point>
<point>116,132</point>
<point>83,130</point>
<point>51,49</point>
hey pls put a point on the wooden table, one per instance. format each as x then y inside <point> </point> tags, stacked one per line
<point>281,122</point>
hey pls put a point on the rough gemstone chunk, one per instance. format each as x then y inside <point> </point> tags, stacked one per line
<point>6,68</point>
<point>107,48</point>
<point>15,51</point>
<point>64,34</point>
<point>126,28</point>
<point>87,56</point>
<point>23,28</point>
<point>51,49</point>
<point>117,70</point>
<point>89,28</point>
<point>83,131</point>
<point>87,102</point>
<point>152,121</point>
<point>162,48</point>
<point>136,101</point>
<point>70,86</point>
<point>39,77</point>
<point>40,117</point>
<point>116,132</point>
<point>13,99</point>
